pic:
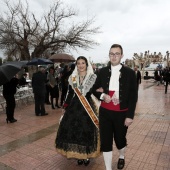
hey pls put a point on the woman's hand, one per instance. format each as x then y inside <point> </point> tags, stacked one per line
<point>100,90</point>
<point>107,98</point>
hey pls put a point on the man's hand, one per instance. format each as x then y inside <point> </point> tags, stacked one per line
<point>128,121</point>
<point>107,98</point>
<point>100,90</point>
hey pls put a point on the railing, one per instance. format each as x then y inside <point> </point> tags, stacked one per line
<point>2,102</point>
<point>24,95</point>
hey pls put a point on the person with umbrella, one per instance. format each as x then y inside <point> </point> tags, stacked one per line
<point>9,90</point>
<point>9,80</point>
<point>9,70</point>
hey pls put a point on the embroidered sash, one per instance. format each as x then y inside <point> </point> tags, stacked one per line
<point>87,107</point>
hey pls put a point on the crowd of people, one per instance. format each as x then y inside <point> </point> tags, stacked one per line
<point>87,130</point>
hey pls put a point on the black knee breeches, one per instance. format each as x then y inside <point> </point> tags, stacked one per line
<point>112,126</point>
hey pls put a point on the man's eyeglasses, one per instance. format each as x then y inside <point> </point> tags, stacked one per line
<point>114,54</point>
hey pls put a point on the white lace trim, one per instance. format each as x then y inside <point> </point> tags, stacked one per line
<point>87,83</point>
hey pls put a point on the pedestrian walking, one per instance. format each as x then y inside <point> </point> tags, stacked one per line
<point>78,133</point>
<point>118,102</point>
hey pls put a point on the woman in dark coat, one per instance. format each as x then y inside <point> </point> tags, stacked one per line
<point>54,90</point>
<point>9,90</point>
<point>64,83</point>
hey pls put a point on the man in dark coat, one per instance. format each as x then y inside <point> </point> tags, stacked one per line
<point>118,95</point>
<point>167,78</point>
<point>138,78</point>
<point>157,75</point>
<point>39,81</point>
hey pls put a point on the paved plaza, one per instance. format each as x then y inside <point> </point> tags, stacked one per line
<point>28,144</point>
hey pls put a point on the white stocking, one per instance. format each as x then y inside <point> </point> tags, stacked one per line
<point>122,153</point>
<point>108,160</point>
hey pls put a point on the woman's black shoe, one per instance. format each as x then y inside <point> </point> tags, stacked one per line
<point>79,161</point>
<point>14,120</point>
<point>86,162</point>
<point>57,106</point>
<point>11,121</point>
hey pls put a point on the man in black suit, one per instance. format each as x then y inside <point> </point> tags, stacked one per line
<point>118,95</point>
<point>39,81</point>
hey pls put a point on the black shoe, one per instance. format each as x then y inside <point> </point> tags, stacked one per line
<point>80,162</point>
<point>121,163</point>
<point>57,106</point>
<point>86,162</point>
<point>44,114</point>
<point>48,103</point>
<point>14,120</point>
<point>52,107</point>
<point>37,114</point>
<point>11,121</point>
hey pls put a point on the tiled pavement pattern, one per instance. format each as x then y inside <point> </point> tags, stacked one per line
<point>28,144</point>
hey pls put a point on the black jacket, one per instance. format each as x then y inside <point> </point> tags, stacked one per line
<point>39,81</point>
<point>127,87</point>
<point>138,76</point>
<point>10,87</point>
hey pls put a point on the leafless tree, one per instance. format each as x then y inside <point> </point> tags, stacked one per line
<point>24,36</point>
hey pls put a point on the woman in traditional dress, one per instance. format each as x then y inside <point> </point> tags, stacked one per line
<point>78,133</point>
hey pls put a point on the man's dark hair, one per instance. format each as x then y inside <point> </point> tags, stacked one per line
<point>117,46</point>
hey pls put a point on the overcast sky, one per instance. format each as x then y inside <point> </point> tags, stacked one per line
<point>138,25</point>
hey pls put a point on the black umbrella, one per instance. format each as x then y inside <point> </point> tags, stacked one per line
<point>9,69</point>
<point>39,61</point>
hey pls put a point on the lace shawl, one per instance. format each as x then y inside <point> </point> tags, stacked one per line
<point>87,82</point>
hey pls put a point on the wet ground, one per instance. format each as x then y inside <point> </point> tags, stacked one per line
<point>28,144</point>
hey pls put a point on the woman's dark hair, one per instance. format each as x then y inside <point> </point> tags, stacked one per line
<point>83,58</point>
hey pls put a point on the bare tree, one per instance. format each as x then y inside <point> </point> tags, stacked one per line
<point>23,36</point>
